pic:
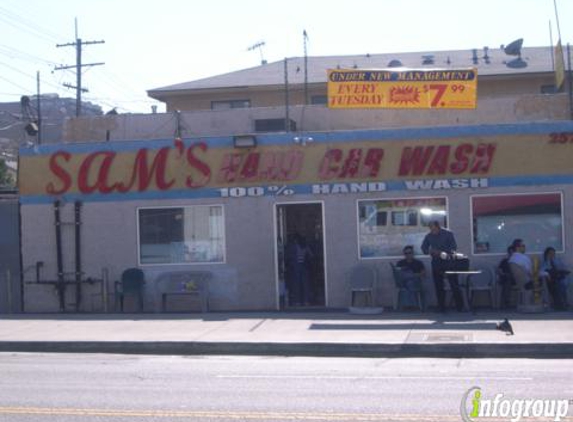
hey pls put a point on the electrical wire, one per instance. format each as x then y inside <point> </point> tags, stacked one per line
<point>28,26</point>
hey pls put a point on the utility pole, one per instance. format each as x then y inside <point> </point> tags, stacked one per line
<point>305,39</point>
<point>287,116</point>
<point>78,66</point>
<point>38,106</point>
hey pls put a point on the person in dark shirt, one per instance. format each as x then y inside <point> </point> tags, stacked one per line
<point>555,274</point>
<point>440,243</point>
<point>505,278</point>
<point>409,263</point>
<point>413,272</point>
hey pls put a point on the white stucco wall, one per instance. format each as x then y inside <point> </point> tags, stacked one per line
<point>247,280</point>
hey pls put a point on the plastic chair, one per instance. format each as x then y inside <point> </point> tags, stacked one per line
<point>483,282</point>
<point>362,279</point>
<point>406,283</point>
<point>525,297</point>
<point>131,284</point>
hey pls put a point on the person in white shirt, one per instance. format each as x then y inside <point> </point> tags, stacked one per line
<point>518,257</point>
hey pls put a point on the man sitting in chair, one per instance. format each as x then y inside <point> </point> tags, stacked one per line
<point>518,257</point>
<point>413,271</point>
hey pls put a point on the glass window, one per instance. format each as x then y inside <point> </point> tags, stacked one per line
<point>181,235</point>
<point>227,104</point>
<point>499,219</point>
<point>319,100</point>
<point>386,226</point>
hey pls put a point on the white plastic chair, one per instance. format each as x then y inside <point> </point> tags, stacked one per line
<point>482,282</point>
<point>525,297</point>
<point>362,280</point>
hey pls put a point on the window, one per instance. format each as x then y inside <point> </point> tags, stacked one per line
<point>227,104</point>
<point>549,89</point>
<point>386,226</point>
<point>176,235</point>
<point>499,219</point>
<point>273,125</point>
<point>405,218</point>
<point>319,100</point>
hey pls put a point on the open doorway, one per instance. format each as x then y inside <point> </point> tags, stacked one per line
<point>300,255</point>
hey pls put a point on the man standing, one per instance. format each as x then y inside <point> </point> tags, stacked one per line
<point>505,278</point>
<point>439,243</point>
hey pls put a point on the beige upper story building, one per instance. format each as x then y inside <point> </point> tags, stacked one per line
<point>511,88</point>
<point>500,75</point>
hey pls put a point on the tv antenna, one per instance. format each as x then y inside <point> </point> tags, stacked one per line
<point>258,46</point>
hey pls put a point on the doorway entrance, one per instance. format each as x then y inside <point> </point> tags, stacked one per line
<point>300,255</point>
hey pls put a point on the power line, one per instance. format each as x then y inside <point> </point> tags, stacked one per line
<point>28,26</point>
<point>26,74</point>
<point>14,53</point>
<point>15,84</point>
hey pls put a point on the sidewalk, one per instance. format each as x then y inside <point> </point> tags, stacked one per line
<point>328,333</point>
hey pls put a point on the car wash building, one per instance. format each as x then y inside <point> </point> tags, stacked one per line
<point>229,205</point>
<point>355,171</point>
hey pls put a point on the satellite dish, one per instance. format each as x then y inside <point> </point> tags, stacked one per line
<point>517,63</point>
<point>395,63</point>
<point>514,48</point>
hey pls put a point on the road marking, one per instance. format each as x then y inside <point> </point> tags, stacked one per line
<point>390,377</point>
<point>48,411</point>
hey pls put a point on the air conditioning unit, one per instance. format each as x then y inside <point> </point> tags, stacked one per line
<point>274,125</point>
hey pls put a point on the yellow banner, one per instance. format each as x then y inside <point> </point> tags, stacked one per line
<point>559,66</point>
<point>403,88</point>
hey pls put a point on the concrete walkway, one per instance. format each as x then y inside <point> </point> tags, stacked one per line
<point>547,335</point>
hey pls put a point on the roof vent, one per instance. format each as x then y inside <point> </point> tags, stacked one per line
<point>486,57</point>
<point>395,63</point>
<point>475,59</point>
<point>428,59</point>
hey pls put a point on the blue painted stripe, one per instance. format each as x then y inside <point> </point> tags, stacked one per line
<point>298,189</point>
<point>414,133</point>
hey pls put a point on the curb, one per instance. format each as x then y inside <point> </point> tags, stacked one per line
<point>395,350</point>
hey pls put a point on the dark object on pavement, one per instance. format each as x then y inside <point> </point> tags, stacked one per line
<point>505,326</point>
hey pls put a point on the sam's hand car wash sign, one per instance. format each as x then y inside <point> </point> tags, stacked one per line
<point>212,168</point>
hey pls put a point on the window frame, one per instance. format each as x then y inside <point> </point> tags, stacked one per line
<point>319,100</point>
<point>389,221</point>
<point>230,103</point>
<point>137,210</point>
<point>482,195</point>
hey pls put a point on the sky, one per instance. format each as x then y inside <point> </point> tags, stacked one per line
<point>151,44</point>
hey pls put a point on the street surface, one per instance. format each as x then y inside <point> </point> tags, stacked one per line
<point>86,387</point>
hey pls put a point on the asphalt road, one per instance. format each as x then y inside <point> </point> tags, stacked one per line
<point>84,387</point>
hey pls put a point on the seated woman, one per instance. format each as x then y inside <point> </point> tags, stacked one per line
<point>555,274</point>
